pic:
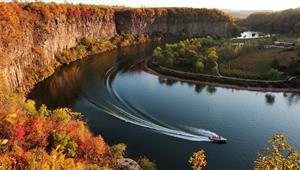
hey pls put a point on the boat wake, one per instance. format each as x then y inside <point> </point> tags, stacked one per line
<point>119,108</point>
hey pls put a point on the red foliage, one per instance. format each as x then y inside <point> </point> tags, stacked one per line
<point>20,133</point>
<point>71,129</point>
<point>95,150</point>
<point>87,12</point>
<point>38,130</point>
<point>74,12</point>
<point>19,11</point>
<point>33,16</point>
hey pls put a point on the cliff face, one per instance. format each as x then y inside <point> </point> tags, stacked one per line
<point>180,23</point>
<point>30,56</point>
<point>37,47</point>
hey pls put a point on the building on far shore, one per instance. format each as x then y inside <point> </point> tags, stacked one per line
<point>248,35</point>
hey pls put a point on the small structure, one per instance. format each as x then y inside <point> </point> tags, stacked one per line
<point>248,35</point>
<point>286,43</point>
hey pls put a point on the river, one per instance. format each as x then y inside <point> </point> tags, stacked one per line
<point>168,120</point>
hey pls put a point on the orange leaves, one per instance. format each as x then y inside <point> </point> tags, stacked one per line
<point>197,160</point>
<point>94,150</point>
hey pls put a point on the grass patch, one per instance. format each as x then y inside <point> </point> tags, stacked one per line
<point>254,65</point>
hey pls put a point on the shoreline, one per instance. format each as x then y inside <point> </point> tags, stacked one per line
<point>150,68</point>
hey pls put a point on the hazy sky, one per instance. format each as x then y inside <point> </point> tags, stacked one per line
<point>225,4</point>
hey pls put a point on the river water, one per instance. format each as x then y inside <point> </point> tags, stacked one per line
<point>168,120</point>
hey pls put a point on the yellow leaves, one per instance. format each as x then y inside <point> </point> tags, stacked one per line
<point>197,160</point>
<point>46,166</point>
<point>3,141</point>
<point>212,54</point>
<point>280,156</point>
<point>30,108</point>
<point>11,118</point>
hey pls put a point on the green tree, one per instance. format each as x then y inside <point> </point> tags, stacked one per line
<point>212,54</point>
<point>158,55</point>
<point>43,111</point>
<point>273,74</point>
<point>199,66</point>
<point>281,155</point>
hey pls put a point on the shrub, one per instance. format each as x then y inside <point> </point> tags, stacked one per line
<point>64,143</point>
<point>117,153</point>
<point>197,160</point>
<point>199,66</point>
<point>146,164</point>
<point>30,108</point>
<point>273,74</point>
<point>43,111</point>
<point>62,115</point>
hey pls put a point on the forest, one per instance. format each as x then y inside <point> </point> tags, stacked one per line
<point>281,22</point>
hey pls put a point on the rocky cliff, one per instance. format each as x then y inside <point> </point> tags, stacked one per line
<point>31,35</point>
<point>37,46</point>
<point>175,22</point>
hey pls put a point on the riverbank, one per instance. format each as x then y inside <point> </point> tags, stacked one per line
<point>221,81</point>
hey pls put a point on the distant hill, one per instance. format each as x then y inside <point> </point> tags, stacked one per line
<point>243,13</point>
<point>284,22</point>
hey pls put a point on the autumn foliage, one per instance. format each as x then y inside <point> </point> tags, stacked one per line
<point>38,138</point>
<point>280,155</point>
<point>16,17</point>
<point>198,161</point>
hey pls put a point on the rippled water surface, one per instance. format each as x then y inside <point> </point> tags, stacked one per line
<point>168,120</point>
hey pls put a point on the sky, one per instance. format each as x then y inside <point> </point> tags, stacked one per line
<point>222,4</point>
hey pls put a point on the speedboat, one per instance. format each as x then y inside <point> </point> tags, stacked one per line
<point>217,139</point>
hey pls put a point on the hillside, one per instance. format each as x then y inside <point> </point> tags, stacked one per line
<point>284,22</point>
<point>242,14</point>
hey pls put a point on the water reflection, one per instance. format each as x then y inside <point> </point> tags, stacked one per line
<point>59,89</point>
<point>211,90</point>
<point>199,87</point>
<point>166,81</point>
<point>292,98</point>
<point>270,99</point>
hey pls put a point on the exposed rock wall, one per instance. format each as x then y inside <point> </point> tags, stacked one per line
<point>195,22</point>
<point>31,56</point>
<point>37,46</point>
